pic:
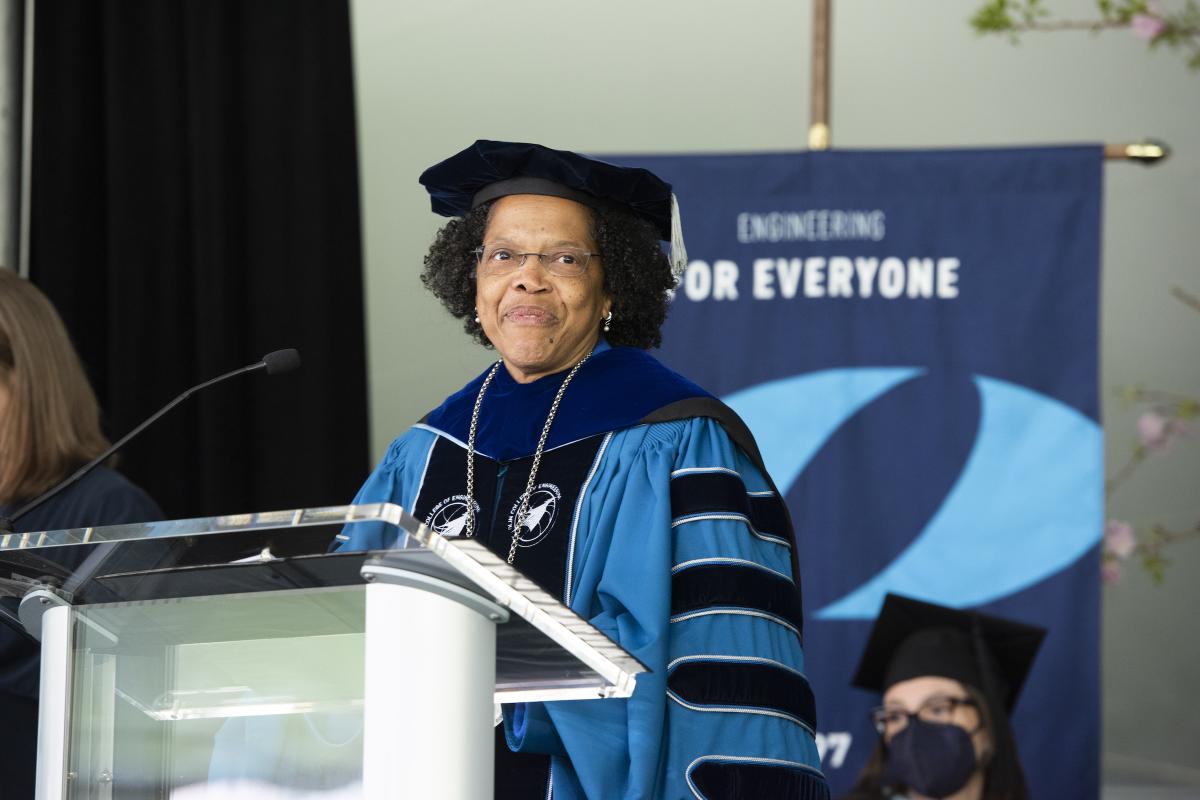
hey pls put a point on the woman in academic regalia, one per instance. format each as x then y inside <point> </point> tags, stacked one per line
<point>617,485</point>
<point>948,680</point>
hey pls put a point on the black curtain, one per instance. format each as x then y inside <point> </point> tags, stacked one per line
<point>195,205</point>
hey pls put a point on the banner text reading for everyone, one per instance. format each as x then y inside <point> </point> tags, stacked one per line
<point>817,276</point>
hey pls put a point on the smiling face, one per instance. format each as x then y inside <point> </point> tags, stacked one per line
<point>541,323</point>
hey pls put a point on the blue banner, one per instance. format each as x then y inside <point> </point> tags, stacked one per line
<point>912,337</point>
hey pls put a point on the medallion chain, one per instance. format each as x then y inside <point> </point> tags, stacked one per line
<point>523,506</point>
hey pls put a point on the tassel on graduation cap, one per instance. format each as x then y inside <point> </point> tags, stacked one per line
<point>679,259</point>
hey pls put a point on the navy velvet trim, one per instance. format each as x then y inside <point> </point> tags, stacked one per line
<point>616,389</point>
<point>733,683</point>
<point>723,780</point>
<point>699,588</point>
<point>714,409</point>
<point>737,431</point>
<point>703,492</point>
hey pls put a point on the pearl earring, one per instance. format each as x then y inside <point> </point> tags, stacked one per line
<point>607,322</point>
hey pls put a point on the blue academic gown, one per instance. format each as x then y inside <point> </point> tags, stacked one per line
<point>651,523</point>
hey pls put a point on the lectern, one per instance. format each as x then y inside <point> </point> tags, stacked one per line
<point>228,651</point>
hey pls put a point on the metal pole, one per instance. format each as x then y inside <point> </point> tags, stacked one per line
<point>26,142</point>
<point>12,28</point>
<point>818,129</point>
<point>1148,152</point>
<point>54,706</point>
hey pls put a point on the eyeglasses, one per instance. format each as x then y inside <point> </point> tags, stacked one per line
<point>939,708</point>
<point>498,259</point>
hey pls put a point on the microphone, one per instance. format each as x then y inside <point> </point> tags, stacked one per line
<point>275,363</point>
<point>279,362</point>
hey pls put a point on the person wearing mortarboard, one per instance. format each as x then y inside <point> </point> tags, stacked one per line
<point>616,484</point>
<point>949,681</point>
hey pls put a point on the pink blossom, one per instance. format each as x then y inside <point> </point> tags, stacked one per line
<point>1151,428</point>
<point>1146,26</point>
<point>1110,572</point>
<point>1158,432</point>
<point>1119,538</point>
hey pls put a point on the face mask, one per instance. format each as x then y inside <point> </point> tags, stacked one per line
<point>931,758</point>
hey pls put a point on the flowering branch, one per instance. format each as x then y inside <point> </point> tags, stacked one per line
<point>1169,416</point>
<point>1146,19</point>
<point>1121,542</point>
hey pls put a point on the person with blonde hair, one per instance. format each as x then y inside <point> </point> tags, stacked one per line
<point>49,427</point>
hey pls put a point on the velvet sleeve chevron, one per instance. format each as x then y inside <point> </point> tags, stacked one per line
<point>735,680</point>
<point>682,552</point>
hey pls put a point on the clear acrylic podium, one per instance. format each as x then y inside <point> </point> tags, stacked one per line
<point>207,657</point>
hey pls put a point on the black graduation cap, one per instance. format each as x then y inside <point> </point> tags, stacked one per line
<point>912,638</point>
<point>488,170</point>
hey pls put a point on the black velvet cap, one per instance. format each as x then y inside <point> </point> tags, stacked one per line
<point>487,170</point>
<point>912,638</point>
